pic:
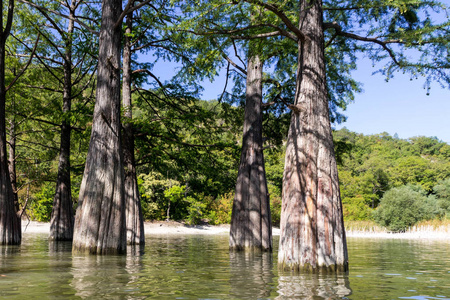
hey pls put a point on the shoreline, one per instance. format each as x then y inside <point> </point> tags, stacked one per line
<point>173,228</point>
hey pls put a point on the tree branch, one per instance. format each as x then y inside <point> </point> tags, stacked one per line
<point>26,66</point>
<point>128,9</point>
<point>338,30</point>
<point>273,8</point>
<point>9,20</point>
<point>61,15</point>
<point>45,65</point>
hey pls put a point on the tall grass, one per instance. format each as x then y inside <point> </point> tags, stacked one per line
<point>441,226</point>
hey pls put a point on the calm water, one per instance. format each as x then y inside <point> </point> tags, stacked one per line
<point>201,267</point>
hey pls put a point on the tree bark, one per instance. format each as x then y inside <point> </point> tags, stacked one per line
<point>134,219</point>
<point>10,227</point>
<point>62,219</point>
<point>312,229</point>
<point>12,161</point>
<point>100,218</point>
<point>251,227</point>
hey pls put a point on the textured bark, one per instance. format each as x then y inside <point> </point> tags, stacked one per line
<point>62,219</point>
<point>10,228</point>
<point>251,227</point>
<point>12,161</point>
<point>312,229</point>
<point>100,218</point>
<point>134,219</point>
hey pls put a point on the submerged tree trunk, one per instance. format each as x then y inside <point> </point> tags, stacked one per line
<point>251,226</point>
<point>134,219</point>
<point>10,227</point>
<point>62,220</point>
<point>312,229</point>
<point>100,218</point>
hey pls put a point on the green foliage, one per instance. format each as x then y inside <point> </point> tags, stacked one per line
<point>400,208</point>
<point>196,210</point>
<point>152,188</point>
<point>356,209</point>
<point>404,206</point>
<point>442,192</point>
<point>223,207</point>
<point>376,163</point>
<point>41,206</point>
<point>275,204</point>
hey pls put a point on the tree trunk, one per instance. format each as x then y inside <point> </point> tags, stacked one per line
<point>62,220</point>
<point>10,227</point>
<point>134,219</point>
<point>12,161</point>
<point>100,218</point>
<point>312,229</point>
<point>251,226</point>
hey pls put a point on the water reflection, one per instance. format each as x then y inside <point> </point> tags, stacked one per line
<point>251,274</point>
<point>312,286</point>
<point>134,267</point>
<point>201,267</point>
<point>8,259</point>
<point>96,276</point>
<point>59,263</point>
<point>59,247</point>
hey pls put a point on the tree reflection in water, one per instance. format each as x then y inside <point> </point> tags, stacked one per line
<point>311,286</point>
<point>96,276</point>
<point>251,274</point>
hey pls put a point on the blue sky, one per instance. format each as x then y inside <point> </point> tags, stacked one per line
<point>398,106</point>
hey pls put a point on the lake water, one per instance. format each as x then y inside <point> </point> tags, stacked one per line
<point>201,267</point>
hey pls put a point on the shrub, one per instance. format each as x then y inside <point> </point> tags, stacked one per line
<point>401,208</point>
<point>275,204</point>
<point>41,207</point>
<point>442,191</point>
<point>356,209</point>
<point>223,207</point>
<point>196,211</point>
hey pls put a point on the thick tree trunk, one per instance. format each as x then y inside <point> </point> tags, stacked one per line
<point>62,220</point>
<point>100,219</point>
<point>312,228</point>
<point>10,227</point>
<point>251,227</point>
<point>134,219</point>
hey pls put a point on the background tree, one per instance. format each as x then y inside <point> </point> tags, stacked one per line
<point>10,229</point>
<point>64,56</point>
<point>134,218</point>
<point>251,226</point>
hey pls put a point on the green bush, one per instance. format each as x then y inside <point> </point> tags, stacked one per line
<point>196,211</point>
<point>402,207</point>
<point>41,207</point>
<point>222,208</point>
<point>275,204</point>
<point>442,192</point>
<point>356,209</point>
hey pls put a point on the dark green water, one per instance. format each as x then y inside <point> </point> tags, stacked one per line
<point>201,267</point>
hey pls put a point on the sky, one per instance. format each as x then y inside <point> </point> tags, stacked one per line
<point>399,106</point>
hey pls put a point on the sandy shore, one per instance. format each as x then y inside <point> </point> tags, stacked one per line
<point>171,227</point>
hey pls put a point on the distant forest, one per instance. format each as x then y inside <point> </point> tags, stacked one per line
<point>196,183</point>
